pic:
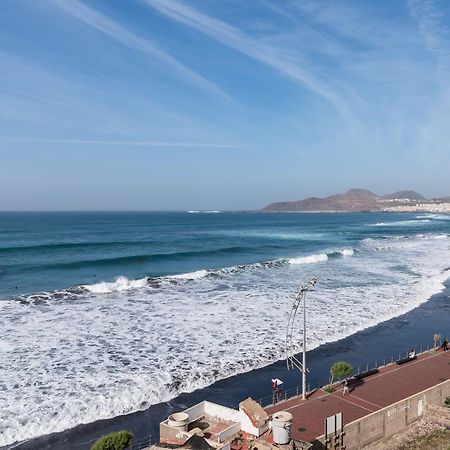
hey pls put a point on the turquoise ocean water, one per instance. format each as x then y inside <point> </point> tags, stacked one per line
<point>108,313</point>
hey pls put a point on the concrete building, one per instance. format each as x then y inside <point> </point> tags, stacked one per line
<point>208,426</point>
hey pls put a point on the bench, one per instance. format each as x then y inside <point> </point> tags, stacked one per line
<point>365,374</point>
<point>405,360</point>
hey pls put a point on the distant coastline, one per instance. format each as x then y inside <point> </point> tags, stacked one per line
<point>425,209</point>
<point>362,200</point>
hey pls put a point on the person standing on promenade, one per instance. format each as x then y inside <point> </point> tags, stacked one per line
<point>276,397</point>
<point>345,391</point>
<point>445,345</point>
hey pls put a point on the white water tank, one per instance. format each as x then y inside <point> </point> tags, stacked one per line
<point>281,427</point>
<point>179,421</point>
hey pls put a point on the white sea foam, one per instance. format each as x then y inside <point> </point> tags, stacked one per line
<point>267,234</point>
<point>189,276</point>
<point>121,284</point>
<point>203,212</point>
<point>113,350</point>
<point>321,257</point>
<point>5,346</point>
<point>311,259</point>
<point>400,223</point>
<point>435,216</point>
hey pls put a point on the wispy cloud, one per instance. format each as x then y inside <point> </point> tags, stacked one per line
<point>234,38</point>
<point>116,31</point>
<point>122,143</point>
<point>43,95</point>
<point>435,34</point>
<point>432,20</point>
<point>36,93</point>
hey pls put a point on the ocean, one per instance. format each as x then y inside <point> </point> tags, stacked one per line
<point>104,314</point>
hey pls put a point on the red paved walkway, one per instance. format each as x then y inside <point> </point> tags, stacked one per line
<point>391,384</point>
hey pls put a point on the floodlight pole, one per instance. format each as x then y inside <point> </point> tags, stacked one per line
<point>304,349</point>
<point>311,283</point>
<point>291,360</point>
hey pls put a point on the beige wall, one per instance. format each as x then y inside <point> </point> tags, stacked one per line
<point>388,421</point>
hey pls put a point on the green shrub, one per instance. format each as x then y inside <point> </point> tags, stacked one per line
<point>117,440</point>
<point>330,389</point>
<point>340,370</point>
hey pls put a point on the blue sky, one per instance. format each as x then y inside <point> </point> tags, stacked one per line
<point>211,104</point>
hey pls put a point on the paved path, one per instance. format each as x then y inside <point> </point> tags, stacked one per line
<point>391,384</point>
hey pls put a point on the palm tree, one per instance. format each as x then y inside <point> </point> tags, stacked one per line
<point>339,370</point>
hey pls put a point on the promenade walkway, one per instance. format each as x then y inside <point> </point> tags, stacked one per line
<point>392,384</point>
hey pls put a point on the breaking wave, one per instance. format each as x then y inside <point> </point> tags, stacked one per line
<point>194,211</point>
<point>400,223</point>
<point>190,275</point>
<point>122,283</point>
<point>322,257</point>
<point>434,216</point>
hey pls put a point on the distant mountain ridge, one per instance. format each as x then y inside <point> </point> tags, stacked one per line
<point>352,200</point>
<point>409,195</point>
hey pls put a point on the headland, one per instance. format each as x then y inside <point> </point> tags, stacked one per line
<point>363,200</point>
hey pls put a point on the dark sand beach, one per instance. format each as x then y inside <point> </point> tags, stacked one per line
<point>373,345</point>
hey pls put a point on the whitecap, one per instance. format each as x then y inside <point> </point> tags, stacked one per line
<point>311,259</point>
<point>399,223</point>
<point>119,285</point>
<point>189,276</point>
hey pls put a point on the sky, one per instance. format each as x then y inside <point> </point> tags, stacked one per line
<point>220,104</point>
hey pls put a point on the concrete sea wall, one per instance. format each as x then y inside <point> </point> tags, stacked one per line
<point>388,421</point>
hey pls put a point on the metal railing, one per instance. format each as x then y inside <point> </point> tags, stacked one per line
<point>294,392</point>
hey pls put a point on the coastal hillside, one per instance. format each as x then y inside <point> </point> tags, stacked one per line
<point>352,200</point>
<point>404,195</point>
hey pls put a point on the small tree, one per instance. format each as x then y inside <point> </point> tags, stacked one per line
<point>117,440</point>
<point>340,370</point>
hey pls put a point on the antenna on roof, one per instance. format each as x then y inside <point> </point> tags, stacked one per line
<point>291,360</point>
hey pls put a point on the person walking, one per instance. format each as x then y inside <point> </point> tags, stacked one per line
<point>345,391</point>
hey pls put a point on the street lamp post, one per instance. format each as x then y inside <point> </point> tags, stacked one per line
<point>291,359</point>
<point>304,349</point>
